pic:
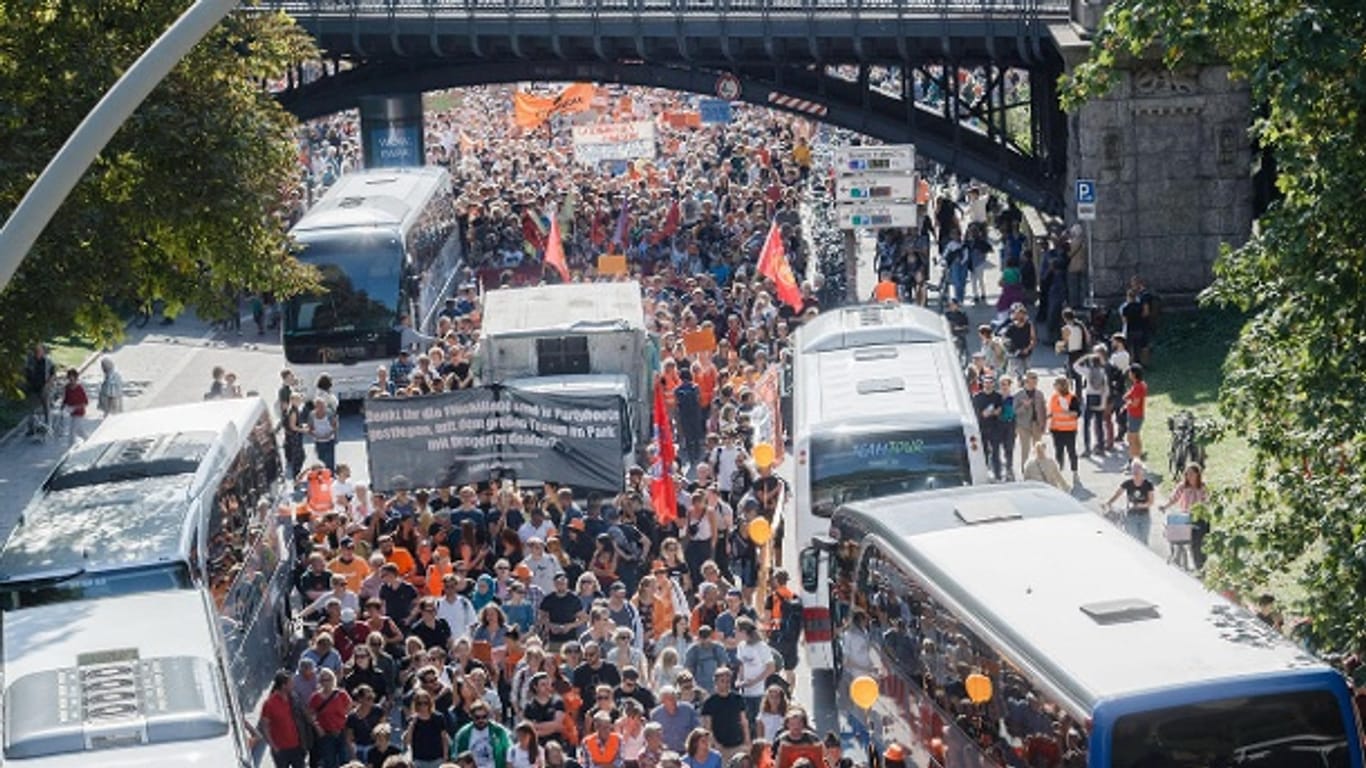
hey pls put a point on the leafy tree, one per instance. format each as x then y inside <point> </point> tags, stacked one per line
<point>1294,380</point>
<point>179,205</point>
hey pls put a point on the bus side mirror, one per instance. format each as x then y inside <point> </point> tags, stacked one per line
<point>810,563</point>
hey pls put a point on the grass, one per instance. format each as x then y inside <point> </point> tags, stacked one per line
<point>1186,370</point>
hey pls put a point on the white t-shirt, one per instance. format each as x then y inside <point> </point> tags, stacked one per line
<point>528,531</point>
<point>753,658</point>
<point>481,746</point>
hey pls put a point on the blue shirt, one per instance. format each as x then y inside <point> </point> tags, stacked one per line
<point>713,760</point>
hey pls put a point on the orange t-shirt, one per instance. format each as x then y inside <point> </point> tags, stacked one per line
<point>436,575</point>
<point>402,558</point>
<point>706,385</point>
<point>355,571</point>
<point>671,382</point>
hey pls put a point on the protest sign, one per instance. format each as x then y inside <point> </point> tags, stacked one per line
<point>614,141</point>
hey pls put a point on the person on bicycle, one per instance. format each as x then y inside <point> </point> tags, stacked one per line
<point>1137,490</point>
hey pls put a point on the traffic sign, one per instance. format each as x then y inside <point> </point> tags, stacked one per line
<point>728,87</point>
<point>1086,192</point>
<point>714,111</point>
<point>877,187</point>
<point>1086,211</point>
<point>894,158</point>
<point>875,215</point>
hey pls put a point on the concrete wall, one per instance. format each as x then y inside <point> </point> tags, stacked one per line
<point>1173,165</point>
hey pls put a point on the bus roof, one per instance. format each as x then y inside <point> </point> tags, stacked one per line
<point>168,649</point>
<point>870,324</point>
<point>905,383</point>
<point>1071,597</point>
<point>385,197</point>
<point>571,307</point>
<point>122,498</point>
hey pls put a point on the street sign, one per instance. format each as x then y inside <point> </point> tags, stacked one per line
<point>875,215</point>
<point>1086,211</point>
<point>895,158</point>
<point>714,111</point>
<point>728,87</point>
<point>1086,192</point>
<point>877,187</point>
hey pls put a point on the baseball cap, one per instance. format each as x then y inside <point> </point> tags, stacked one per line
<point>618,586</point>
<point>347,542</point>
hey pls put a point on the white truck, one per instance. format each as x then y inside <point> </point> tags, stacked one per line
<point>585,339</point>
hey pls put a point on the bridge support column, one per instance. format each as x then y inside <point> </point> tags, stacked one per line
<point>1172,161</point>
<point>391,130</point>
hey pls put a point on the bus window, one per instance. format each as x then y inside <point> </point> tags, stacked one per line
<point>361,288</point>
<point>1288,730</point>
<point>851,467</point>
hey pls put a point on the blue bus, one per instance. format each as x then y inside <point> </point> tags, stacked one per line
<point>1011,626</point>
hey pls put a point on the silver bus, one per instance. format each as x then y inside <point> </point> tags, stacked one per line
<point>144,593</point>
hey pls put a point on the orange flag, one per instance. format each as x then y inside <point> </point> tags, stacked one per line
<point>531,111</point>
<point>554,250</point>
<point>576,98</point>
<point>773,265</point>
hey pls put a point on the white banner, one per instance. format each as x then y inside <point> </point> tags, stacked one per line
<point>614,141</point>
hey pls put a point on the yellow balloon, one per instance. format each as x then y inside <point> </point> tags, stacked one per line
<point>763,455</point>
<point>760,531</point>
<point>863,690</point>
<point>979,688</point>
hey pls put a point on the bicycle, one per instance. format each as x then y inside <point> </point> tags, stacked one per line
<point>1185,446</point>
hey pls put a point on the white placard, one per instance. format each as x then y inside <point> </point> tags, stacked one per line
<point>614,141</point>
<point>893,158</point>
<point>876,215</point>
<point>875,187</point>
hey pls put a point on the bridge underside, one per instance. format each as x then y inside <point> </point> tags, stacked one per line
<point>821,68</point>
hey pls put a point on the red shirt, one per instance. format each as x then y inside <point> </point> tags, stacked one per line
<point>1136,398</point>
<point>74,397</point>
<point>279,721</point>
<point>331,712</point>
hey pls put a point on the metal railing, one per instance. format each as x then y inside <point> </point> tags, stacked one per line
<point>962,8</point>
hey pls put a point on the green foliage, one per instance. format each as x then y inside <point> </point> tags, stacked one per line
<point>179,205</point>
<point>1294,378</point>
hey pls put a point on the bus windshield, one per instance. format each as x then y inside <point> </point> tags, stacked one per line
<point>361,278</point>
<point>79,585</point>
<point>1285,730</point>
<point>851,467</point>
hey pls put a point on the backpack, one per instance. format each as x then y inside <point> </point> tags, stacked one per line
<point>789,621</point>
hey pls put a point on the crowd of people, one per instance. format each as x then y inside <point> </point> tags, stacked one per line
<point>492,626</point>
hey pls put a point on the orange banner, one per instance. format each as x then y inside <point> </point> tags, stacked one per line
<point>683,119</point>
<point>531,111</point>
<point>701,340</point>
<point>612,264</point>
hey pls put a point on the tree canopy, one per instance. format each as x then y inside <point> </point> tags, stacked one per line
<point>1294,378</point>
<point>180,205</point>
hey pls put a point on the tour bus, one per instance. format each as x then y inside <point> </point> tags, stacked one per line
<point>144,593</point>
<point>1011,625</point>
<point>880,408</point>
<point>386,244</point>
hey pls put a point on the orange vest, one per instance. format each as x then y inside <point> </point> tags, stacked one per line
<point>885,291</point>
<point>600,754</point>
<point>1063,419</point>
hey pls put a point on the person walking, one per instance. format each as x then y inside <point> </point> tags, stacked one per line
<point>1095,392</point>
<point>1063,410</point>
<point>111,388</point>
<point>988,403</point>
<point>1138,492</point>
<point>322,424</point>
<point>1135,403</point>
<point>1031,416</point>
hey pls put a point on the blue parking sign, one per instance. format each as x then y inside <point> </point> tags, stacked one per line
<point>1086,191</point>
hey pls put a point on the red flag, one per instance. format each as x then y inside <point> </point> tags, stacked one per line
<point>773,265</point>
<point>596,235</point>
<point>671,222</point>
<point>531,230</point>
<point>662,494</point>
<point>554,250</point>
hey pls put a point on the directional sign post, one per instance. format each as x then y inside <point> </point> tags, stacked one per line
<point>875,186</point>
<point>874,215</point>
<point>896,158</point>
<point>1086,211</point>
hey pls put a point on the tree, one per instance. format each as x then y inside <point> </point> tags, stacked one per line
<point>180,206</point>
<point>1294,378</point>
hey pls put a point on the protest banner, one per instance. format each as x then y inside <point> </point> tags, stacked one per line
<point>612,264</point>
<point>614,141</point>
<point>469,435</point>
<point>700,340</point>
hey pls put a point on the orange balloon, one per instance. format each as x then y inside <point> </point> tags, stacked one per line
<point>760,531</point>
<point>763,455</point>
<point>979,688</point>
<point>863,691</point>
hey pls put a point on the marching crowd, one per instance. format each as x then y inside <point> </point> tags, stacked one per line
<point>491,626</point>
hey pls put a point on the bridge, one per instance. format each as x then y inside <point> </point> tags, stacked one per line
<point>857,64</point>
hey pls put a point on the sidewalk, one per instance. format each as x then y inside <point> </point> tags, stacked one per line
<point>1100,477</point>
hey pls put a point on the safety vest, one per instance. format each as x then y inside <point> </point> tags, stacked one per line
<point>602,754</point>
<point>320,490</point>
<point>1064,420</point>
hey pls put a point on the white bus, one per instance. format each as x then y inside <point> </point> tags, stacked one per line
<point>144,593</point>
<point>386,244</point>
<point>880,407</point>
<point>1012,626</point>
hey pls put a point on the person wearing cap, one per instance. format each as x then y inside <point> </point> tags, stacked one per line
<point>518,608</point>
<point>401,370</point>
<point>894,756</point>
<point>485,740</point>
<point>347,565</point>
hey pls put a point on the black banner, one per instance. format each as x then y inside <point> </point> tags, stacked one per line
<point>473,434</point>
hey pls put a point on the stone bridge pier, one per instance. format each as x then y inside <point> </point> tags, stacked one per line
<point>1173,164</point>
